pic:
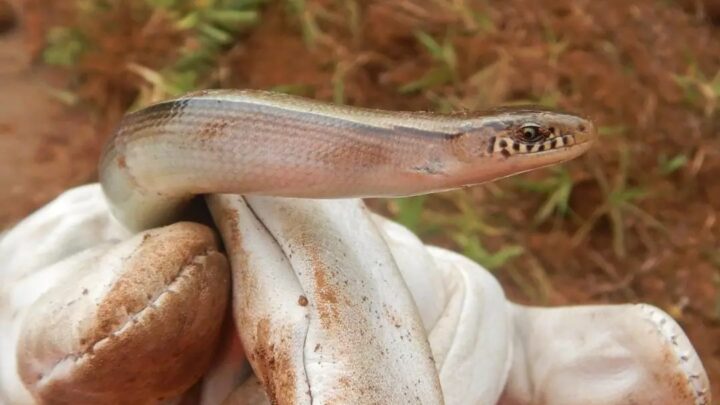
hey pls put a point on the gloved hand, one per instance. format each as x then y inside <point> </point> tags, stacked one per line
<point>323,301</point>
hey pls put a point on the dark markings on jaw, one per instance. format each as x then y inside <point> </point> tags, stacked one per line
<point>554,143</point>
<point>516,146</point>
<point>505,153</point>
<point>541,147</point>
<point>491,145</point>
<point>502,143</point>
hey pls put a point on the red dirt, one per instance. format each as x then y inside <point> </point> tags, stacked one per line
<point>46,146</point>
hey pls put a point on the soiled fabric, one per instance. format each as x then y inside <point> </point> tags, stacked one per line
<point>302,301</point>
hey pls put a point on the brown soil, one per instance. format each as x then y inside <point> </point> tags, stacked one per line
<point>46,146</point>
<point>614,60</point>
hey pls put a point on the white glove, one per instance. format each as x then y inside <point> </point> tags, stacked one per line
<point>331,302</point>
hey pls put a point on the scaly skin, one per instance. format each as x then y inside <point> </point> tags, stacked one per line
<point>255,142</point>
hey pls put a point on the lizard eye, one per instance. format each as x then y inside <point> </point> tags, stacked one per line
<point>530,133</point>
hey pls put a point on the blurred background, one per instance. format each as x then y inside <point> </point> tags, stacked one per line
<point>635,220</point>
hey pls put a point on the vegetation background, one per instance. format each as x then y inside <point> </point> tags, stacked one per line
<point>634,220</point>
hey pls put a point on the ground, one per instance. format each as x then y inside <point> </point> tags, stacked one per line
<point>636,220</point>
<point>46,146</point>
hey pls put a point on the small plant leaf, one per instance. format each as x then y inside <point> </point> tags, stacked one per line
<point>410,211</point>
<point>669,166</point>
